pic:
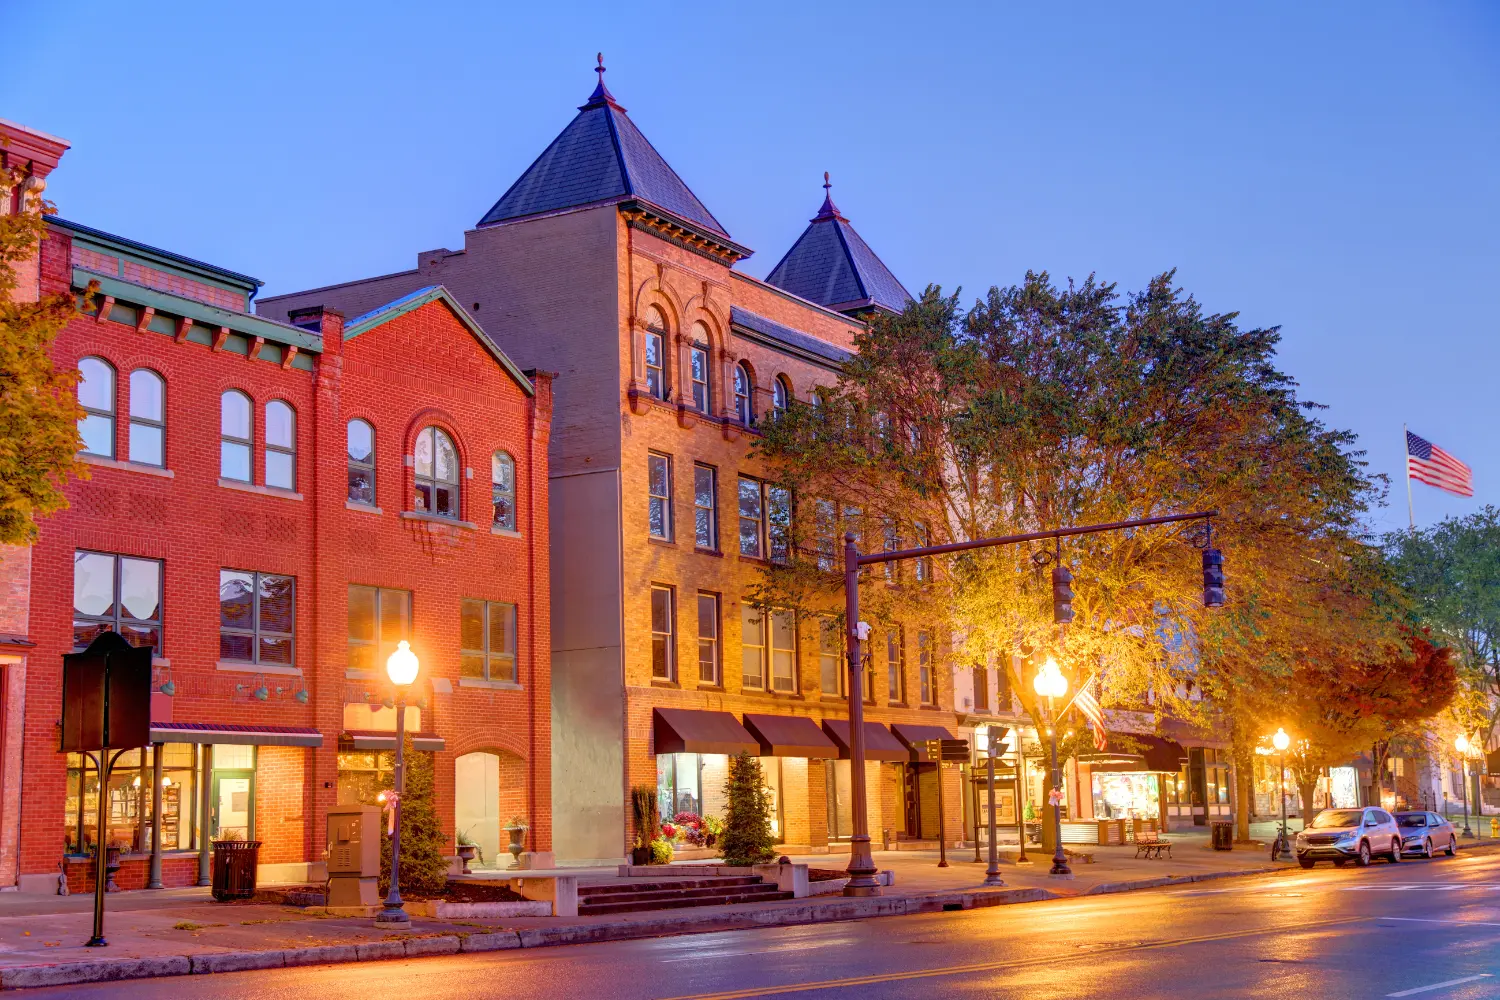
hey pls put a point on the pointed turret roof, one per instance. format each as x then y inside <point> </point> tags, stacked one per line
<point>831,265</point>
<point>600,157</point>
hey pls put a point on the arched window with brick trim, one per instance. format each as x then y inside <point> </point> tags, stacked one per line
<point>435,469</point>
<point>234,436</point>
<point>656,353</point>
<point>503,490</point>
<point>148,418</point>
<point>96,394</point>
<point>281,445</point>
<point>744,409</point>
<point>361,445</point>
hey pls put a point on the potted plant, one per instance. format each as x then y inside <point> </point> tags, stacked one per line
<point>112,864</point>
<point>644,812</point>
<point>661,851</point>
<point>713,829</point>
<point>517,829</point>
<point>468,850</point>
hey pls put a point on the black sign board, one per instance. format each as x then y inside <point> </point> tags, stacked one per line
<point>106,696</point>
<point>996,745</point>
<point>948,750</point>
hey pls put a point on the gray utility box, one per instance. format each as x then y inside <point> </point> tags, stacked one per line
<point>354,856</point>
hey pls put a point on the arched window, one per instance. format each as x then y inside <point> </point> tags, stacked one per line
<point>234,436</point>
<point>503,490</point>
<point>700,355</point>
<point>656,353</point>
<point>96,394</point>
<point>281,445</point>
<point>436,473</point>
<point>742,382</point>
<point>361,463</point>
<point>781,394</point>
<point>148,418</point>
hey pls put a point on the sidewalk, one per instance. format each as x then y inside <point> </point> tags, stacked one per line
<point>182,931</point>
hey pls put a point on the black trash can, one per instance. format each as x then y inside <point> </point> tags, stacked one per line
<point>1223,836</point>
<point>234,869</point>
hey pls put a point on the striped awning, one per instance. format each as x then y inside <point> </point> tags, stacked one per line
<point>221,733</point>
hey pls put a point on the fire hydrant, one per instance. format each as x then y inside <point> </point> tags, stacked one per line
<point>1495,827</point>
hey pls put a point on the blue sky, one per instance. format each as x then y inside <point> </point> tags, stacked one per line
<point>1333,168</point>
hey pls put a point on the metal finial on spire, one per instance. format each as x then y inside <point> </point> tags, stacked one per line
<point>826,184</point>
<point>829,209</point>
<point>601,94</point>
<point>600,70</point>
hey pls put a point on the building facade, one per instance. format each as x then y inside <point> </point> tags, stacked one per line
<point>599,263</point>
<point>271,507</point>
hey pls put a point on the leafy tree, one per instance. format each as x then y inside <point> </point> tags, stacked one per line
<point>747,836</point>
<point>38,410</point>
<point>424,869</point>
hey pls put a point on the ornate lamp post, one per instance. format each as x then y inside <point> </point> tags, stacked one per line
<point>1464,746</point>
<point>401,667</point>
<point>1050,684</point>
<point>1280,740</point>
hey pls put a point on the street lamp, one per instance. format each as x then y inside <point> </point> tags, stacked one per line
<point>1050,683</point>
<point>1280,740</point>
<point>1463,746</point>
<point>401,667</point>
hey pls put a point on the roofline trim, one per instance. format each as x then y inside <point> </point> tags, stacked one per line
<point>328,288</point>
<point>791,296</point>
<point>782,347</point>
<point>164,256</point>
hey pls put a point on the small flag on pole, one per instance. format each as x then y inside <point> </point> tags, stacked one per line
<point>1427,463</point>
<point>1089,706</point>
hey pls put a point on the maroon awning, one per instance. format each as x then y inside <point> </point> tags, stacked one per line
<point>684,730</point>
<point>879,743</point>
<point>213,732</point>
<point>789,736</point>
<point>1155,754</point>
<point>915,737</point>
<point>385,739</point>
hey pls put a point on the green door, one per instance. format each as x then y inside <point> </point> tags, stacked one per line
<point>232,815</point>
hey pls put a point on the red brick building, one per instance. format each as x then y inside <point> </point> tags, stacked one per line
<point>271,507</point>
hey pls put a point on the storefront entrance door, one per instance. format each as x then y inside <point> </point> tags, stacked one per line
<point>233,809</point>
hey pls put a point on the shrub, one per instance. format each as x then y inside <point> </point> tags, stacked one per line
<point>424,869</point>
<point>661,852</point>
<point>747,836</point>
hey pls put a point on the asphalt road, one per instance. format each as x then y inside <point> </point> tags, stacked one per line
<point>1426,929</point>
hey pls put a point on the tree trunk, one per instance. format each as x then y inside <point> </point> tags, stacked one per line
<point>1307,789</point>
<point>1246,789</point>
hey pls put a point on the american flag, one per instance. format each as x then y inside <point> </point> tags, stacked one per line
<point>1427,463</point>
<point>1089,706</point>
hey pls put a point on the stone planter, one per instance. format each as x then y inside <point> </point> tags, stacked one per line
<point>515,847</point>
<point>111,866</point>
<point>640,855</point>
<point>467,853</point>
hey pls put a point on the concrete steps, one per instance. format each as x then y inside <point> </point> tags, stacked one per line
<point>671,894</point>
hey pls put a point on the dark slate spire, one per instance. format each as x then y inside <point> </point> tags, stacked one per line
<point>831,265</point>
<point>600,157</point>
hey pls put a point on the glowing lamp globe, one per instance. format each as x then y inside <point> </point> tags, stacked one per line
<point>401,666</point>
<point>1461,744</point>
<point>1281,740</point>
<point>1049,681</point>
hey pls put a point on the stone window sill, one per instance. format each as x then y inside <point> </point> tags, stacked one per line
<point>363,507</point>
<point>111,463</point>
<point>708,552</point>
<point>416,515</point>
<point>495,529</point>
<point>669,543</point>
<point>265,491</point>
<point>486,685</point>
<point>663,682</point>
<point>237,667</point>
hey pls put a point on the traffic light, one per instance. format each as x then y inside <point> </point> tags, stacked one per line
<point>1062,595</point>
<point>1213,578</point>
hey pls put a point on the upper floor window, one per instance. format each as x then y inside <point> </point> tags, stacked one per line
<point>257,617</point>
<point>831,656</point>
<point>765,520</point>
<point>361,463</point>
<point>663,633</point>
<point>113,593</point>
<point>503,490</point>
<point>96,394</point>
<point>487,643</point>
<point>656,353</point>
<point>783,652</point>
<point>706,507</point>
<point>895,665</point>
<point>234,436</point>
<point>981,677</point>
<point>378,619</point>
<point>744,410</point>
<point>752,648</point>
<point>659,490</point>
<point>698,358</point>
<point>892,542</point>
<point>148,417</point>
<point>436,473</point>
<point>281,445</point>
<point>708,638</point>
<point>922,567</point>
<point>781,394</point>
<point>925,675</point>
<point>825,534</point>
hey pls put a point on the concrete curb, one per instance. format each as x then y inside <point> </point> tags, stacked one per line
<point>1161,880</point>
<point>679,922</point>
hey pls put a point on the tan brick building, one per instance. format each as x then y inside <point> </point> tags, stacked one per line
<point>599,264</point>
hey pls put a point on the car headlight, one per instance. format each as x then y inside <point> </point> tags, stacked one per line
<point>1301,838</point>
<point>1347,838</point>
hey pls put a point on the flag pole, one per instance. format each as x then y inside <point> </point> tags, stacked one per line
<point>1411,515</point>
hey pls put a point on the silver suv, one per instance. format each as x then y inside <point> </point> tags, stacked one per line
<point>1341,835</point>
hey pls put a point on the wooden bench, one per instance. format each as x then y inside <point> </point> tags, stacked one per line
<point>1152,847</point>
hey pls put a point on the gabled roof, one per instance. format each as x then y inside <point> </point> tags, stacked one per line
<point>381,315</point>
<point>601,157</point>
<point>831,265</point>
<point>784,338</point>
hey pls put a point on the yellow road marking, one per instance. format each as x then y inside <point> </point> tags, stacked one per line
<point>1018,963</point>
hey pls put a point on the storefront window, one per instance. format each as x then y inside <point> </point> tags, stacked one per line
<point>128,817</point>
<point>840,800</point>
<point>771,768</point>
<point>362,776</point>
<point>1132,795</point>
<point>679,786</point>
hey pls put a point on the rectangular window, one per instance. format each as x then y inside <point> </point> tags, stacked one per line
<point>853,517</point>
<point>129,803</point>
<point>257,617</point>
<point>708,639</point>
<point>752,519</point>
<point>487,640</point>
<point>981,688</point>
<point>378,619</point>
<point>752,649</point>
<point>831,656</point>
<point>706,507</point>
<point>926,677</point>
<point>663,633</point>
<point>659,476</point>
<point>891,542</point>
<point>699,358</point>
<point>114,593</point>
<point>783,652</point>
<point>923,566</point>
<point>656,381</point>
<point>825,529</point>
<point>895,665</point>
<point>779,522</point>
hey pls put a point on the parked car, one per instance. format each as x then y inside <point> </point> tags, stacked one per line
<point>1425,833</point>
<point>1341,835</point>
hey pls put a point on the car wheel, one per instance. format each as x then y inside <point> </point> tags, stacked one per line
<point>1452,846</point>
<point>1306,862</point>
<point>1364,854</point>
<point>1427,851</point>
<point>1395,852</point>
